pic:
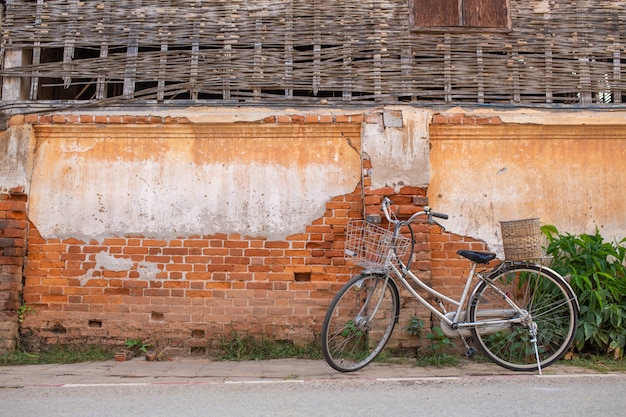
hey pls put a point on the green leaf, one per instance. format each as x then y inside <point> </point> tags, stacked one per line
<point>589,329</point>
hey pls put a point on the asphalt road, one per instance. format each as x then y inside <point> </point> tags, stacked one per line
<point>469,396</point>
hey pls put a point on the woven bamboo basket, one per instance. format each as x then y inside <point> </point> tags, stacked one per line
<point>522,239</point>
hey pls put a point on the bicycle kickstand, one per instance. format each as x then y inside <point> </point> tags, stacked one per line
<point>533,340</point>
<point>470,351</point>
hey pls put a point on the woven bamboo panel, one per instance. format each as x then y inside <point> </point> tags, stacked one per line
<point>558,52</point>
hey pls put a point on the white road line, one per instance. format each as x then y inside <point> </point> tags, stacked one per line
<point>427,378</point>
<point>124,384</point>
<point>267,381</point>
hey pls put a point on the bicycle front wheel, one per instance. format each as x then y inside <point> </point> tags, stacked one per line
<point>551,320</point>
<point>359,321</point>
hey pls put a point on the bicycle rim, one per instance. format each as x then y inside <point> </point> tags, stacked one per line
<point>359,321</point>
<point>550,304</point>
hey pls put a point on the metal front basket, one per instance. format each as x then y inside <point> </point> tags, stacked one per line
<point>370,246</point>
<point>522,239</point>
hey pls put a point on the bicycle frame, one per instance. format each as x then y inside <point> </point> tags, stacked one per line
<point>456,321</point>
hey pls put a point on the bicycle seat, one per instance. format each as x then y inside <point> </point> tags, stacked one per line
<point>478,257</point>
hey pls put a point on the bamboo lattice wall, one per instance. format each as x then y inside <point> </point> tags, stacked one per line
<point>558,52</point>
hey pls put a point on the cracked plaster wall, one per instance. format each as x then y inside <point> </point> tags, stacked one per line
<point>91,182</point>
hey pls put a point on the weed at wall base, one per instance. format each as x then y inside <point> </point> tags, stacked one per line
<point>240,347</point>
<point>58,354</point>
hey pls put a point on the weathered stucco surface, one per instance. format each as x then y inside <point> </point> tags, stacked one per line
<point>396,140</point>
<point>568,175</point>
<point>14,161</point>
<point>204,177</point>
<point>94,181</point>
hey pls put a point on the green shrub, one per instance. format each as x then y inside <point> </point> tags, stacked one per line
<point>598,276</point>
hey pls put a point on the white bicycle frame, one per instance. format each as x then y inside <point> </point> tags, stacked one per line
<point>456,320</point>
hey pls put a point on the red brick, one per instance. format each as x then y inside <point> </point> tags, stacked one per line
<point>199,293</point>
<point>133,250</point>
<point>178,267</point>
<point>175,251</point>
<point>53,298</point>
<point>154,242</point>
<point>276,245</point>
<point>297,119</point>
<point>31,118</point>
<point>196,243</point>
<point>12,205</point>
<point>58,118</point>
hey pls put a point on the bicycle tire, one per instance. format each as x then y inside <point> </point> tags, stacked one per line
<point>548,299</point>
<point>354,331</point>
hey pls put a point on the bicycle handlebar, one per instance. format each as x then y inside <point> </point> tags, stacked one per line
<point>427,211</point>
<point>440,215</point>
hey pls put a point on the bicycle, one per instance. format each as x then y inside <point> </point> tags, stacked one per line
<point>522,315</point>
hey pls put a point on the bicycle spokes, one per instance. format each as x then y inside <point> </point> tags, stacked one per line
<point>544,323</point>
<point>359,321</point>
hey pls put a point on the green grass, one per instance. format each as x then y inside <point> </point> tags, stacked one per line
<point>58,354</point>
<point>596,363</point>
<point>438,360</point>
<point>239,347</point>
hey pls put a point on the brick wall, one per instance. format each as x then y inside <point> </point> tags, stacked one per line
<point>204,286</point>
<point>92,292</point>
<point>12,250</point>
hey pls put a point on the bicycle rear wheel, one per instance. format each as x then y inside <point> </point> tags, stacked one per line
<point>551,306</point>
<point>359,321</point>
